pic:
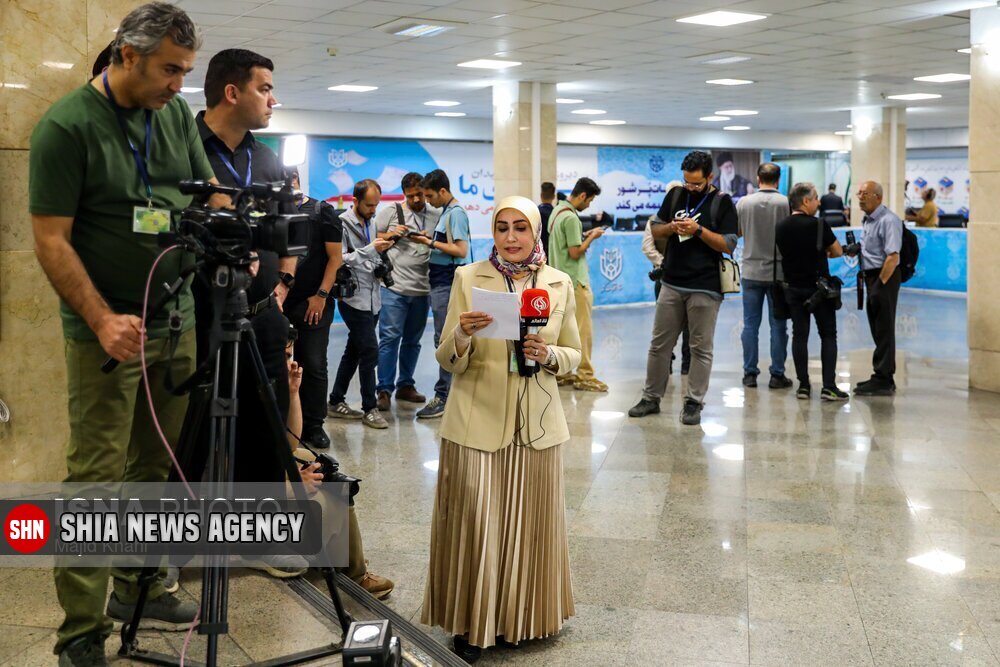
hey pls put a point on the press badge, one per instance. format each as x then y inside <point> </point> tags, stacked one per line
<point>147,220</point>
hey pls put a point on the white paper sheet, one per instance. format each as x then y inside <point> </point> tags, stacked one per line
<point>504,307</point>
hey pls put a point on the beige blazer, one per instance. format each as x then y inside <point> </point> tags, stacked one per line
<point>482,406</point>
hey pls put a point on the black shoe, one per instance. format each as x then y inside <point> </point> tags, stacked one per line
<point>466,651</point>
<point>691,414</point>
<point>750,380</point>
<point>833,394</point>
<point>878,388</point>
<point>166,612</point>
<point>644,407</point>
<point>86,651</point>
<point>779,382</point>
<point>803,392</point>
<point>317,438</point>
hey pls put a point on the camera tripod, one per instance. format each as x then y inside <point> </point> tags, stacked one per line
<point>213,410</point>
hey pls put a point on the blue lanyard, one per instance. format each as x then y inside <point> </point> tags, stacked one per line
<point>687,205</point>
<point>232,169</point>
<point>140,163</point>
<point>368,234</point>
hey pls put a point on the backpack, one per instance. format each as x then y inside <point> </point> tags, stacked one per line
<point>909,253</point>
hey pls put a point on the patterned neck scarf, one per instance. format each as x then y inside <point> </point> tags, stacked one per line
<point>536,259</point>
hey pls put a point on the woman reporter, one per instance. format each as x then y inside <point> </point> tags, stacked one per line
<point>499,557</point>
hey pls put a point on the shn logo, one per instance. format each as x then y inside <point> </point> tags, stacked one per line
<point>611,263</point>
<point>540,304</point>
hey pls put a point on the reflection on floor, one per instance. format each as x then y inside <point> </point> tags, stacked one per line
<point>779,532</point>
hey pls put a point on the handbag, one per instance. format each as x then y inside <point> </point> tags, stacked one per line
<point>729,275</point>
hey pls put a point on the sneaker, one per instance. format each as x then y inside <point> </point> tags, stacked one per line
<point>750,380</point>
<point>833,394</point>
<point>591,384</point>
<point>86,651</point>
<point>317,438</point>
<point>343,411</point>
<point>432,410</point>
<point>171,583</point>
<point>410,394</point>
<point>691,414</point>
<point>803,392</point>
<point>379,587</point>
<point>374,419</point>
<point>779,382</point>
<point>566,380</point>
<point>166,612</point>
<point>383,401</point>
<point>875,388</point>
<point>278,566</point>
<point>644,407</point>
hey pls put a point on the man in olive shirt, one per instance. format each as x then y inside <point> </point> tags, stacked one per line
<point>568,247</point>
<point>105,164</point>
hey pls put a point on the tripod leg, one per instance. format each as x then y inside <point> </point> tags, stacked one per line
<point>331,576</point>
<point>129,630</point>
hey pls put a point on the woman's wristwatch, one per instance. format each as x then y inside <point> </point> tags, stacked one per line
<point>550,360</point>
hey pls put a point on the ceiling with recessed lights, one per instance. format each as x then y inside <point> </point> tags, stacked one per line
<point>807,62</point>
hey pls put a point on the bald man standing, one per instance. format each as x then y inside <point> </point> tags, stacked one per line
<point>881,242</point>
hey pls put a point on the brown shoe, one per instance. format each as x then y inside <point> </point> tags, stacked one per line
<point>379,587</point>
<point>383,401</point>
<point>410,395</point>
<point>590,384</point>
<point>566,380</point>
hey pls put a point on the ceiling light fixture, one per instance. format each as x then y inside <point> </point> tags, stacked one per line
<point>914,96</point>
<point>441,103</point>
<point>486,63</point>
<point>844,133</point>
<point>726,60</point>
<point>721,19</point>
<point>729,82</point>
<point>950,77</point>
<point>589,112</point>
<point>714,119</point>
<point>736,128</point>
<point>52,64</point>
<point>967,50</point>
<point>450,114</point>
<point>736,112</point>
<point>422,30</point>
<point>607,122</point>
<point>568,100</point>
<point>191,89</point>
<point>352,88</point>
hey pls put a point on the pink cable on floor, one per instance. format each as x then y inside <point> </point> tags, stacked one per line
<point>156,422</point>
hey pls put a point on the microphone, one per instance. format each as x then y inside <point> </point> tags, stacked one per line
<point>535,307</point>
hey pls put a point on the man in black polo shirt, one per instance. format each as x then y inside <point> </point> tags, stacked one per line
<point>310,310</point>
<point>700,224</point>
<point>239,97</point>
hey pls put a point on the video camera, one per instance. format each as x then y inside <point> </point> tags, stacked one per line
<point>827,289</point>
<point>852,247</point>
<point>227,236</point>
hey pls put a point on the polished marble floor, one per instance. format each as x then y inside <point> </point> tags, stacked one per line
<point>779,532</point>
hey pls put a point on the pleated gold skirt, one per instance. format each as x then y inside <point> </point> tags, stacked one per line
<point>499,557</point>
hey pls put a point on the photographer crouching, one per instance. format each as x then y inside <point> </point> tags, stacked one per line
<point>365,257</point>
<point>105,164</point>
<point>805,242</point>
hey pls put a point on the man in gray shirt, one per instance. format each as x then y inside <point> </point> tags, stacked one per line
<point>759,214</point>
<point>405,304</point>
<point>881,242</point>
<point>362,248</point>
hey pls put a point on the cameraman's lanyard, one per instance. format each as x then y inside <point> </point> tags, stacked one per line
<point>145,220</point>
<point>232,169</point>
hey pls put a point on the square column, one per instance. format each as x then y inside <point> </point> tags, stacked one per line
<point>984,218</point>
<point>878,153</point>
<point>524,137</point>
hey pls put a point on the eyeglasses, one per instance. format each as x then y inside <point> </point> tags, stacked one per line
<point>695,186</point>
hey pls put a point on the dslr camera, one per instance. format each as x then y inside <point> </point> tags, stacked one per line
<point>852,247</point>
<point>345,285</point>
<point>330,468</point>
<point>656,274</point>
<point>384,271</point>
<point>827,289</point>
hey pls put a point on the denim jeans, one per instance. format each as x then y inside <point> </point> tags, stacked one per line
<point>360,355</point>
<point>754,293</point>
<point>440,295</point>
<point>401,323</point>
